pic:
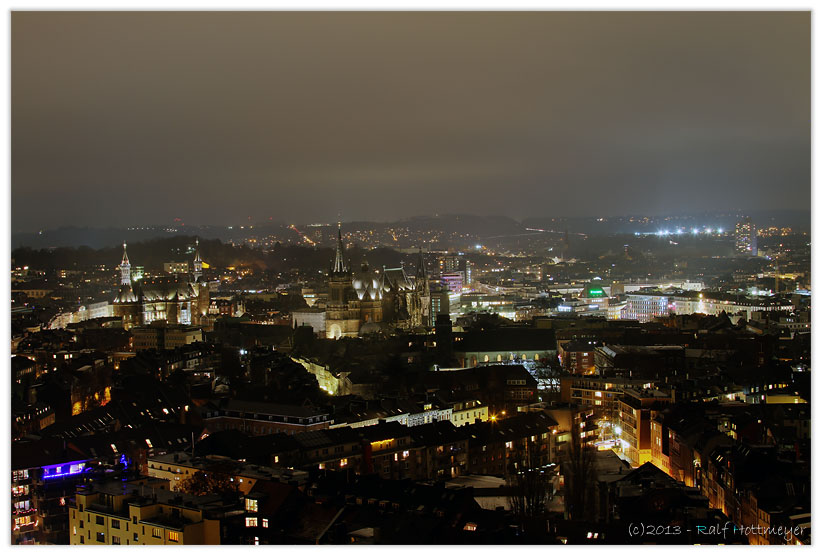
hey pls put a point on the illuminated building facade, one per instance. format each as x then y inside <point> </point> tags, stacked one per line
<point>636,410</point>
<point>175,300</point>
<point>454,281</point>
<point>175,267</point>
<point>746,237</point>
<point>440,302</point>
<point>39,499</point>
<point>644,307</point>
<point>365,301</point>
<point>144,513</point>
<point>456,264</point>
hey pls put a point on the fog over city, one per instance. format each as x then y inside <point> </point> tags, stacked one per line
<point>132,118</point>
<point>410,278</point>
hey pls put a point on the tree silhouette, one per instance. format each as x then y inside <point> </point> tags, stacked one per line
<point>216,479</point>
<point>578,468</point>
<point>529,483</point>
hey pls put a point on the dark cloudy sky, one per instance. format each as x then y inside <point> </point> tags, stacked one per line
<point>126,118</point>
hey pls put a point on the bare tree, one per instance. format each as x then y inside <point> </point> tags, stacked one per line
<point>529,483</point>
<point>215,479</point>
<point>580,482</point>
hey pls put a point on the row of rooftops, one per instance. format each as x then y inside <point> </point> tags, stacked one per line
<point>263,410</point>
<point>239,468</point>
<point>147,491</point>
<point>520,425</point>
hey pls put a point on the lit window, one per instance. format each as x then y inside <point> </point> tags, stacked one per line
<point>343,463</point>
<point>250,521</point>
<point>265,523</point>
<point>251,505</point>
<point>174,536</point>
<point>156,533</point>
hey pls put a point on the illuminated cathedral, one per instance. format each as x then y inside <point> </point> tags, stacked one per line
<point>175,300</point>
<point>367,301</point>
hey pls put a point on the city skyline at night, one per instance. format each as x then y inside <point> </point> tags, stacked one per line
<point>526,278</point>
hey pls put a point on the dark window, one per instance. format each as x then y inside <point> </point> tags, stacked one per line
<point>82,539</point>
<point>115,540</point>
<point>136,538</point>
<point>101,537</point>
<point>100,520</point>
<point>115,523</point>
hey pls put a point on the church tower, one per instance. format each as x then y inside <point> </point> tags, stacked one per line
<point>198,262</point>
<point>423,293</point>
<point>339,279</point>
<point>127,304</point>
<point>125,268</point>
<point>201,297</point>
<point>341,318</point>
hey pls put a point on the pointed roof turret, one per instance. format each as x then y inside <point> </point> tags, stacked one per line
<point>339,259</point>
<point>198,262</point>
<point>125,268</point>
<point>125,256</point>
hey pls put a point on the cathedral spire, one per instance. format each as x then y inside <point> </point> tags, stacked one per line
<point>125,268</point>
<point>421,278</point>
<point>421,266</point>
<point>339,259</point>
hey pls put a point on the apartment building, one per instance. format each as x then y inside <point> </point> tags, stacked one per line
<point>141,512</point>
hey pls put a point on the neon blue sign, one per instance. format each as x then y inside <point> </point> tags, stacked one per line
<point>63,469</point>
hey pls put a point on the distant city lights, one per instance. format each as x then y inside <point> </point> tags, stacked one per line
<point>681,231</point>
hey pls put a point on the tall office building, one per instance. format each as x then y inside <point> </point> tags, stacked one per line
<point>452,264</point>
<point>746,237</point>
<point>439,300</point>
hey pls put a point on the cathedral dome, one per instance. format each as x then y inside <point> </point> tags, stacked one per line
<point>126,295</point>
<point>366,284</point>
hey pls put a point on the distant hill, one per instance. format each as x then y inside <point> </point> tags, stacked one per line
<point>480,226</point>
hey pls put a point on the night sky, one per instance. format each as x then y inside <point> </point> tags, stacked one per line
<point>128,118</point>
